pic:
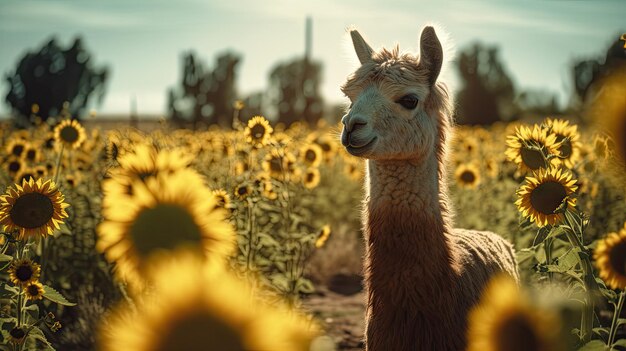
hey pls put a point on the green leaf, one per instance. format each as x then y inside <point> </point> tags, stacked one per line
<point>594,345</point>
<point>36,340</point>
<point>33,311</point>
<point>5,258</point>
<point>620,342</point>
<point>305,286</point>
<point>569,259</point>
<point>55,296</point>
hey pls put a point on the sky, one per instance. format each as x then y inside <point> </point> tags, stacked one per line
<point>142,40</point>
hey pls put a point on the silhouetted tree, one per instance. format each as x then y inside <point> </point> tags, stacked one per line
<point>487,91</point>
<point>294,91</point>
<point>206,96</point>
<point>587,72</point>
<point>51,76</point>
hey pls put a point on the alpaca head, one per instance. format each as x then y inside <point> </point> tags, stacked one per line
<point>398,109</point>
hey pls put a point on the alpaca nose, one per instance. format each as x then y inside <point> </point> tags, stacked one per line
<point>353,122</point>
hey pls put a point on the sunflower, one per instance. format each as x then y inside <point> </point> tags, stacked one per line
<point>608,109</point>
<point>327,144</point>
<point>32,153</point>
<point>16,147</point>
<point>242,191</point>
<point>544,193</point>
<point>216,312</point>
<point>35,208</point>
<point>610,258</point>
<point>164,213</point>
<point>529,148</point>
<point>469,145</point>
<point>241,167</point>
<point>567,141</point>
<point>26,174</point>
<point>492,167</point>
<point>24,271</point>
<point>353,170</point>
<point>222,198</point>
<point>505,319</point>
<point>467,176</point>
<point>34,291</point>
<point>311,155</point>
<point>145,161</point>
<point>258,131</point>
<point>69,133</point>
<point>73,179</point>
<point>274,163</point>
<point>311,178</point>
<point>13,165</point>
<point>322,236</point>
<point>17,335</point>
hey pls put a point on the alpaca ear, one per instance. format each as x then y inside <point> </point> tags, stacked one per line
<point>431,54</point>
<point>363,50</point>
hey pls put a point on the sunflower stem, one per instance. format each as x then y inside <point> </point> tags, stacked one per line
<point>616,314</point>
<point>58,166</point>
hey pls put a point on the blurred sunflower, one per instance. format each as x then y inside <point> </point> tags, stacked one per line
<point>146,161</point>
<point>17,335</point>
<point>242,191</point>
<point>608,109</point>
<point>468,145</point>
<point>567,141</point>
<point>34,291</point>
<point>16,147</point>
<point>32,153</point>
<point>492,167</point>
<point>258,131</point>
<point>311,178</point>
<point>69,133</point>
<point>13,165</point>
<point>164,213</point>
<point>225,316</point>
<point>529,148</point>
<point>610,258</point>
<point>222,198</point>
<point>73,179</point>
<point>311,155</point>
<point>274,163</point>
<point>467,175</point>
<point>543,193</point>
<point>323,235</point>
<point>505,320</point>
<point>241,167</point>
<point>25,174</point>
<point>35,208</point>
<point>327,144</point>
<point>24,271</point>
<point>354,170</point>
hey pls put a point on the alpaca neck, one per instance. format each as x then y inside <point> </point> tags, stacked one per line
<point>406,232</point>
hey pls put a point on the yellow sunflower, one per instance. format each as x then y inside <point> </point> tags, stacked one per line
<point>323,235</point>
<point>25,174</point>
<point>492,167</point>
<point>543,193</point>
<point>353,169</point>
<point>567,141</point>
<point>311,178</point>
<point>222,199</point>
<point>610,258</point>
<point>467,175</point>
<point>529,148</point>
<point>242,191</point>
<point>311,155</point>
<point>327,144</point>
<point>35,208</point>
<point>69,133</point>
<point>258,131</point>
<point>164,213</point>
<point>13,165</point>
<point>608,109</point>
<point>32,153</point>
<point>215,312</point>
<point>16,147</point>
<point>146,161</point>
<point>505,320</point>
<point>24,271</point>
<point>34,291</point>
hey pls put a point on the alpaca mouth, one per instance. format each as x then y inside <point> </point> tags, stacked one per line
<point>361,150</point>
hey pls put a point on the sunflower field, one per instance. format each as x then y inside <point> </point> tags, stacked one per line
<point>219,239</point>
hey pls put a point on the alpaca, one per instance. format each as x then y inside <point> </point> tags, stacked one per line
<point>422,277</point>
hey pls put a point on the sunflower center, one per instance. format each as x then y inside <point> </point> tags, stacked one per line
<point>617,257</point>
<point>257,131</point>
<point>242,190</point>
<point>32,210</point>
<point>547,197</point>
<point>33,290</point>
<point>468,177</point>
<point>566,147</point>
<point>517,334</point>
<point>310,155</point>
<point>164,227</point>
<point>31,154</point>
<point>69,134</point>
<point>276,165</point>
<point>533,159</point>
<point>192,332</point>
<point>14,166</point>
<point>17,150</point>
<point>310,177</point>
<point>27,177</point>
<point>17,333</point>
<point>24,273</point>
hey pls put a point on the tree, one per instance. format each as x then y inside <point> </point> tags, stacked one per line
<point>52,76</point>
<point>487,93</point>
<point>294,91</point>
<point>205,96</point>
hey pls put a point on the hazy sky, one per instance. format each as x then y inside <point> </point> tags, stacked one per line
<point>142,40</point>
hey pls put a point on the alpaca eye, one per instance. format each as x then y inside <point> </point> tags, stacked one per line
<point>408,101</point>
